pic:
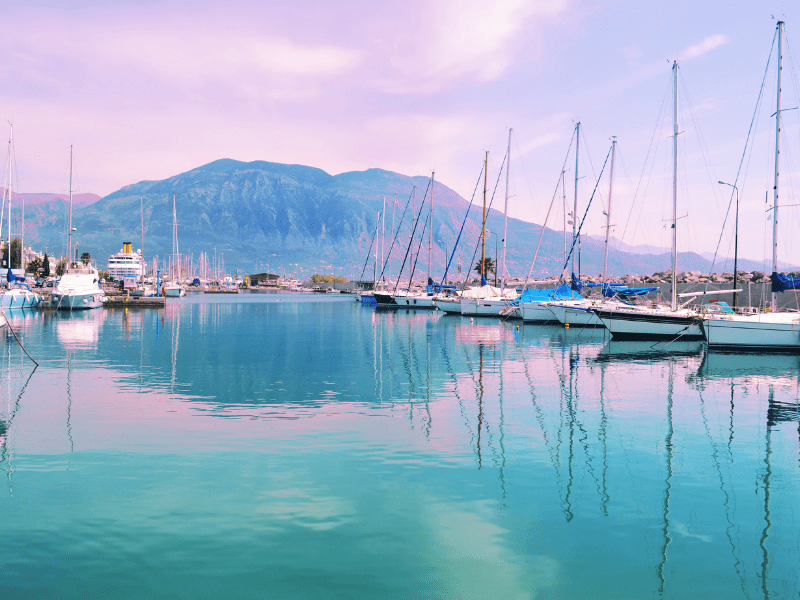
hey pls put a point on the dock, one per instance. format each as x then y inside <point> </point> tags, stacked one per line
<point>134,302</point>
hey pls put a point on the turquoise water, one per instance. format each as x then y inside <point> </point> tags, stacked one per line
<point>289,446</point>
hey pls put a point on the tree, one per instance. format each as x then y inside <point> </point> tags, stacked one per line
<point>489,264</point>
<point>16,254</point>
<point>86,258</point>
<point>34,266</point>
<point>61,267</point>
<point>46,266</point>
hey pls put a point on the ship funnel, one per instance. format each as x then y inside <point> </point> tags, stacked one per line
<point>127,247</point>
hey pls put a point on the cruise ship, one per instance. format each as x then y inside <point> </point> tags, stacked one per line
<point>126,263</point>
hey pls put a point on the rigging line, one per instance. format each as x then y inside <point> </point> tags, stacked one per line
<point>416,259</point>
<point>744,151</point>
<point>463,223</point>
<point>397,233</point>
<point>369,252</point>
<point>413,232</point>
<point>547,216</point>
<point>488,209</point>
<point>589,156</point>
<point>644,170</point>
<point>577,236</point>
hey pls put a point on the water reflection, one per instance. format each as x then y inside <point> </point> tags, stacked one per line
<point>581,466</point>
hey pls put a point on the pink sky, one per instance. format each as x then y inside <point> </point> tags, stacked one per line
<point>146,90</point>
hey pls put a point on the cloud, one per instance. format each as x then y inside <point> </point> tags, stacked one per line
<point>707,45</point>
<point>468,40</point>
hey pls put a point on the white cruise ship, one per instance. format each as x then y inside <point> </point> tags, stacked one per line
<point>126,263</point>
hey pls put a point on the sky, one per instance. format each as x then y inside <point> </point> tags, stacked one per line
<point>146,90</point>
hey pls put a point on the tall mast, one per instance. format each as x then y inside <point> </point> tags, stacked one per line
<point>8,188</point>
<point>175,274</point>
<point>564,202</point>
<point>505,220</point>
<point>777,162</point>
<point>69,235</point>
<point>608,212</point>
<point>141,203</point>
<point>575,207</point>
<point>382,232</point>
<point>483,229</point>
<point>674,296</point>
<point>430,231</point>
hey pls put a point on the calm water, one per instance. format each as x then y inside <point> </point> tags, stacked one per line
<point>281,446</point>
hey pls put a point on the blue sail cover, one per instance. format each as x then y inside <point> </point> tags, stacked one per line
<point>611,290</point>
<point>531,295</point>
<point>781,282</point>
<point>12,278</point>
<point>576,284</point>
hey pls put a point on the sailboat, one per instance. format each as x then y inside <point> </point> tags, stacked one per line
<point>488,300</point>
<point>18,294</point>
<point>174,289</point>
<point>416,299</point>
<point>776,331</point>
<point>639,322</point>
<point>79,286</point>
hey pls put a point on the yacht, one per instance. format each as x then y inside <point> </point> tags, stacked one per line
<point>78,289</point>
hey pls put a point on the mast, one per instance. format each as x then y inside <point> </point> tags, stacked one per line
<point>608,212</point>
<point>674,296</point>
<point>505,219</point>
<point>8,189</point>
<point>174,240</point>
<point>430,232</point>
<point>575,208</point>
<point>483,230</point>
<point>69,234</point>
<point>383,233</point>
<point>777,163</point>
<point>141,203</point>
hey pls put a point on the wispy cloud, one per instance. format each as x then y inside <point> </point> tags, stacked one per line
<point>707,45</point>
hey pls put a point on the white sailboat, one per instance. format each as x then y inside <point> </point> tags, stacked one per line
<point>487,300</point>
<point>772,331</point>
<point>79,286</point>
<point>657,322</point>
<point>174,289</point>
<point>17,294</point>
<point>420,299</point>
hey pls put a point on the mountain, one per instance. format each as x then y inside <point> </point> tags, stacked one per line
<point>261,213</point>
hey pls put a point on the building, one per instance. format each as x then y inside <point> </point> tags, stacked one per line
<point>126,263</point>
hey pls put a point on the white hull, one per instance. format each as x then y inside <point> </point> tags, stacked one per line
<point>482,307</point>
<point>575,313</point>
<point>452,306</point>
<point>422,301</point>
<point>17,298</point>
<point>763,332</point>
<point>174,292</point>
<point>71,301</point>
<point>643,323</point>
<point>536,312</point>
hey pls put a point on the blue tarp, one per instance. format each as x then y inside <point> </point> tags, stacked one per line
<point>609,291</point>
<point>781,282</point>
<point>530,295</point>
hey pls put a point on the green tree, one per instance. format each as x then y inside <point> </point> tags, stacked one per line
<point>34,266</point>
<point>488,264</point>
<point>16,254</point>
<point>86,258</point>
<point>46,266</point>
<point>61,267</point>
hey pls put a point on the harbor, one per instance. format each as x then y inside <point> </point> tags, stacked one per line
<point>517,458</point>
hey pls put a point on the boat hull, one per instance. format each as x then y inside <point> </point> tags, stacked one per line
<point>76,301</point>
<point>536,312</point>
<point>649,324</point>
<point>449,306</point>
<point>482,307</point>
<point>11,300</point>
<point>418,302</point>
<point>574,315</point>
<point>770,332</point>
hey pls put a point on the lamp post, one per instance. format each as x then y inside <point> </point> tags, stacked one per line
<point>735,241</point>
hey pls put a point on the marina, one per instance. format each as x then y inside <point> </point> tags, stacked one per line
<point>183,452</point>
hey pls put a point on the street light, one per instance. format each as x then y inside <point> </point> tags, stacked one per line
<point>735,241</point>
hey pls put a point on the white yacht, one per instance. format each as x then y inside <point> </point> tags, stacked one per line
<point>78,289</point>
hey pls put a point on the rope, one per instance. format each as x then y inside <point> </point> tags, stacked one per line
<point>11,329</point>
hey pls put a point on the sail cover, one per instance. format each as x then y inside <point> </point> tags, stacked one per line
<point>781,282</point>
